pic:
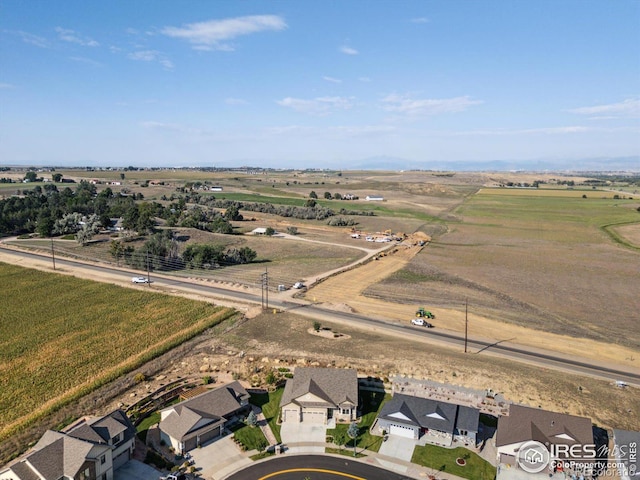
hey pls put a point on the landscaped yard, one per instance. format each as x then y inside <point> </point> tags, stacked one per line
<point>444,460</point>
<point>270,405</point>
<point>371,404</point>
<point>251,438</point>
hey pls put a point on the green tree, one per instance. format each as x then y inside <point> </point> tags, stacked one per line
<point>56,177</point>
<point>313,195</point>
<point>327,195</point>
<point>203,255</point>
<point>252,419</point>
<point>31,176</point>
<point>337,196</point>
<point>310,203</point>
<point>292,230</point>
<point>233,213</point>
<point>269,231</point>
<point>353,435</point>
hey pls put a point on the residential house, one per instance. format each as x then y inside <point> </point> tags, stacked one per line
<point>626,447</point>
<point>440,422</point>
<point>216,188</point>
<point>91,449</point>
<point>193,422</point>
<point>525,424</point>
<point>374,198</point>
<point>320,396</point>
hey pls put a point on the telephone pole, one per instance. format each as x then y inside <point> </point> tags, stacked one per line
<point>466,323</point>
<point>148,271</point>
<point>265,290</point>
<point>53,254</point>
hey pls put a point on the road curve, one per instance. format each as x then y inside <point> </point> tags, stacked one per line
<point>504,349</point>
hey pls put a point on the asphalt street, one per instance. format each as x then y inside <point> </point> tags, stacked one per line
<point>314,467</point>
<point>520,353</point>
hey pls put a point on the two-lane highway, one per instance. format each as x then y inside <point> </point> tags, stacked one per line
<point>521,353</point>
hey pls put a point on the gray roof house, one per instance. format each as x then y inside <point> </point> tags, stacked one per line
<point>437,422</point>
<point>320,395</point>
<point>525,424</point>
<point>90,449</point>
<point>193,422</point>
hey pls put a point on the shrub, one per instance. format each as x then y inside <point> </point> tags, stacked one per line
<point>206,380</point>
<point>316,326</point>
<point>139,377</point>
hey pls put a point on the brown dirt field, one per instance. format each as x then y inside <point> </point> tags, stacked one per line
<point>631,233</point>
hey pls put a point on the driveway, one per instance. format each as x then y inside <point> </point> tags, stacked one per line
<point>398,447</point>
<point>136,470</point>
<point>219,458</point>
<point>303,438</point>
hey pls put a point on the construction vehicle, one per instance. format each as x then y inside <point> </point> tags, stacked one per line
<point>422,313</point>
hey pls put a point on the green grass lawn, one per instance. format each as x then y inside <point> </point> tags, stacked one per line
<point>444,460</point>
<point>144,425</point>
<point>371,404</point>
<point>251,437</point>
<point>270,405</point>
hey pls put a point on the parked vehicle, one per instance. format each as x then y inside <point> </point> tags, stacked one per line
<point>298,285</point>
<point>139,280</point>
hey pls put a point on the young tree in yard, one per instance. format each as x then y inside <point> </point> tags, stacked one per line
<point>262,444</point>
<point>269,231</point>
<point>340,439</point>
<point>252,419</point>
<point>353,434</point>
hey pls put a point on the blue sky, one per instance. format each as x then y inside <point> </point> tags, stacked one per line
<point>317,83</point>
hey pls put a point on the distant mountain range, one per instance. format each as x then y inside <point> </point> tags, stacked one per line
<point>628,164</point>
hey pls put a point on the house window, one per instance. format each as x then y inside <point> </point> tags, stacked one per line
<point>116,439</point>
<point>103,459</point>
<point>345,411</point>
<point>463,432</point>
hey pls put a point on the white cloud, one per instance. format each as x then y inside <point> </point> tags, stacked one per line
<point>212,34</point>
<point>332,79</point>
<point>34,39</point>
<point>151,56</point>
<point>419,20</point>
<point>427,106</point>
<point>317,106</point>
<point>627,108</point>
<point>348,50</point>
<point>71,36</point>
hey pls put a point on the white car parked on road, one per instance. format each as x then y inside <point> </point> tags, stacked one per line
<point>421,322</point>
<point>139,280</point>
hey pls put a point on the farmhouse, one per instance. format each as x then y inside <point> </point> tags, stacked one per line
<point>437,422</point>
<point>259,231</point>
<point>320,395</point>
<point>374,198</point>
<point>216,188</point>
<point>191,423</point>
<point>91,449</point>
<point>524,424</point>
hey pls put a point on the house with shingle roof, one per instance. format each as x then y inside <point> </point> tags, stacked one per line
<point>91,449</point>
<point>320,395</point>
<point>441,422</point>
<point>525,424</point>
<point>193,422</point>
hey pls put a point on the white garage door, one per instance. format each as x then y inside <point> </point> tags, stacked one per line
<point>401,431</point>
<point>313,417</point>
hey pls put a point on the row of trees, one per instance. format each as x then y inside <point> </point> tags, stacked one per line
<point>162,252</point>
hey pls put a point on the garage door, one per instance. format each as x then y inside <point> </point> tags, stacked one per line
<point>205,437</point>
<point>121,459</point>
<point>313,417</point>
<point>402,431</point>
<point>290,416</point>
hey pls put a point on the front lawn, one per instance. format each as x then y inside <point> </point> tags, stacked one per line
<point>444,460</point>
<point>371,404</point>
<point>270,405</point>
<point>144,425</point>
<point>251,438</point>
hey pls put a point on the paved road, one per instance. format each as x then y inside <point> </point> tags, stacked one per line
<point>520,353</point>
<point>315,467</point>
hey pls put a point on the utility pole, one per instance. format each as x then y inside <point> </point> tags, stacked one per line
<point>466,323</point>
<point>53,254</point>
<point>148,271</point>
<point>265,290</point>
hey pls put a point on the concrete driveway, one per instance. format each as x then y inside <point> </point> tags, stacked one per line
<point>303,438</point>
<point>136,470</point>
<point>218,458</point>
<point>398,447</point>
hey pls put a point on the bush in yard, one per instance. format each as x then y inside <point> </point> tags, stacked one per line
<point>316,326</point>
<point>252,419</point>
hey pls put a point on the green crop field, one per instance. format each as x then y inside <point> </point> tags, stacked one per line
<point>62,337</point>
